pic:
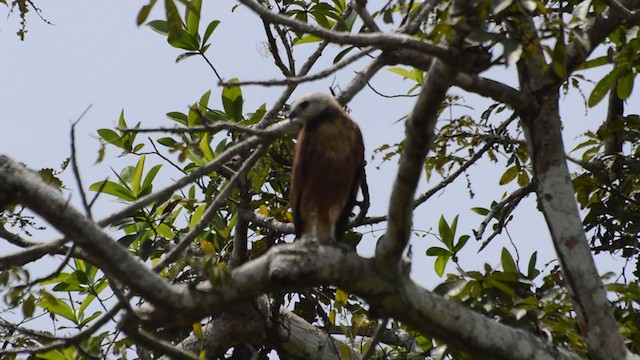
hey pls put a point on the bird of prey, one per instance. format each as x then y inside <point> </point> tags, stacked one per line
<point>328,165</point>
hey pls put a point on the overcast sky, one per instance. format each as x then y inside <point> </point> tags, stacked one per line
<point>94,54</point>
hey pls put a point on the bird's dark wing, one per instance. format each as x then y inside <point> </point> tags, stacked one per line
<point>356,165</point>
<point>299,174</point>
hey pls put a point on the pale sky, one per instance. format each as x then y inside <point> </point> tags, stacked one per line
<point>94,54</point>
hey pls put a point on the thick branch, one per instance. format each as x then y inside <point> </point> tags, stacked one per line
<point>557,201</point>
<point>305,264</point>
<point>112,258</point>
<point>419,136</point>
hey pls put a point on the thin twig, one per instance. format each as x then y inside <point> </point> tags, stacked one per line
<point>302,79</point>
<point>509,202</point>
<point>375,340</point>
<point>287,48</point>
<point>273,49</point>
<point>55,273</point>
<point>74,164</point>
<point>361,9</point>
<point>211,128</point>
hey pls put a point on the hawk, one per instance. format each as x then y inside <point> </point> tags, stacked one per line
<point>328,165</point>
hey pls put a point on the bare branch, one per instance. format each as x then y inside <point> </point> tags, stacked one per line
<point>302,79</point>
<point>74,163</point>
<point>419,15</point>
<point>273,49</point>
<point>360,80</point>
<point>15,239</point>
<point>212,127</point>
<point>306,67</point>
<point>378,40</point>
<point>496,91</point>
<point>32,253</point>
<point>361,9</point>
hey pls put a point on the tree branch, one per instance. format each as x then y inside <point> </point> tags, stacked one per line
<point>378,40</point>
<point>556,198</point>
<point>304,264</point>
<point>419,135</point>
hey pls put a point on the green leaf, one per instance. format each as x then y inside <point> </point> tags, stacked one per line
<point>446,235</point>
<point>205,147</point>
<point>232,101</point>
<point>29,306</point>
<point>559,57</point>
<point>602,88</point>
<point>210,29</point>
<point>440,264</point>
<point>159,26</point>
<point>345,351</point>
<point>307,39</point>
<point>136,178</point>
<point>178,37</point>
<point>502,287</point>
<point>532,272</point>
<point>454,226</point>
<point>342,297</point>
<point>461,242</point>
<point>109,135</point>
<point>193,17</point>
<point>165,231</point>
<point>204,101</point>
<point>185,56</point>
<point>523,178</point>
<point>509,175</point>
<point>148,180</point>
<point>73,282</point>
<point>342,54</point>
<point>167,141</point>
<point>508,264</point>
<point>480,211</point>
<point>407,74</point>
<point>183,40</point>
<point>437,251</point>
<point>143,14</point>
<point>178,117</point>
<point>56,306</point>
<point>197,215</point>
<point>589,64</point>
<point>114,189</point>
<point>121,121</point>
<point>625,85</point>
<point>87,320</point>
<point>256,116</point>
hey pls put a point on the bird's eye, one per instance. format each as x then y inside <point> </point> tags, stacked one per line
<point>304,104</point>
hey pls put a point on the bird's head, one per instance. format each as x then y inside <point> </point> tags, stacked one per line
<point>312,105</point>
